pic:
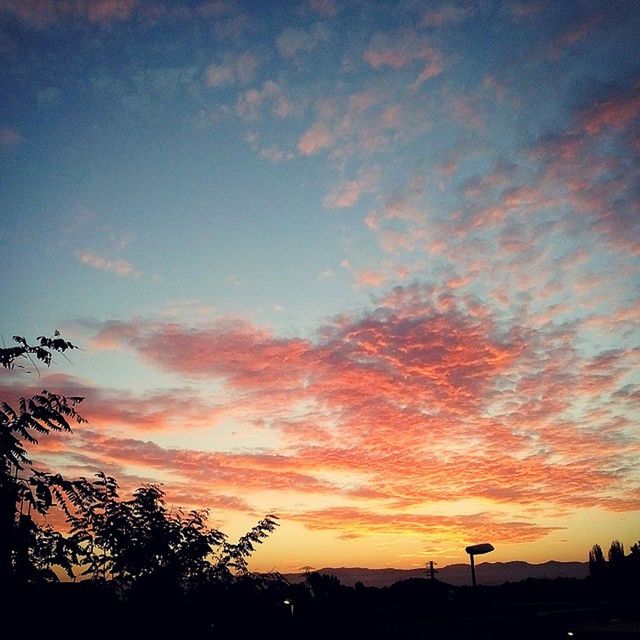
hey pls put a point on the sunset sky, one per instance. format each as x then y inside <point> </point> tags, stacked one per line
<point>370,266</point>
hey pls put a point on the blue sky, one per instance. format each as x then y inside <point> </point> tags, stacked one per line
<point>370,265</point>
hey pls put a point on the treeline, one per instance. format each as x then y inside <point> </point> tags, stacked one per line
<point>619,572</point>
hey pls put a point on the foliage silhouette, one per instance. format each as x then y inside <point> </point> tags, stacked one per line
<point>597,563</point>
<point>126,541</point>
<point>28,550</point>
<point>140,539</point>
<point>620,573</point>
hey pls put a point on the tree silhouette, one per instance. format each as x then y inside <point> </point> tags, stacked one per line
<point>616,554</point>
<point>141,540</point>
<point>128,541</point>
<point>597,563</point>
<point>28,550</point>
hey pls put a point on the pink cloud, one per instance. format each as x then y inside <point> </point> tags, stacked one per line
<point>574,34</point>
<point>594,175</point>
<point>479,186</point>
<point>498,87</point>
<point>235,68</point>
<point>42,13</point>
<point>403,51</point>
<point>348,193</point>
<point>427,396</point>
<point>315,139</point>
<point>251,104</point>
<point>108,10</point>
<point>370,278</point>
<point>231,349</point>
<point>123,411</point>
<point>361,124</point>
<point>9,137</point>
<point>617,112</point>
<point>37,13</point>
<point>292,41</point>
<point>447,14</point>
<point>422,399</point>
<point>449,364</point>
<point>121,268</point>
<point>524,10</point>
<point>326,8</point>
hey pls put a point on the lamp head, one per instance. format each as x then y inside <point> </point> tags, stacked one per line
<point>478,549</point>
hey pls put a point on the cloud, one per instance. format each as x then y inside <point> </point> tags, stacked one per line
<point>108,10</point>
<point>9,137</point>
<point>123,411</point>
<point>424,400</point>
<point>292,41</point>
<point>450,351</point>
<point>466,111</point>
<point>315,139</point>
<point>229,349</point>
<point>593,168</point>
<point>403,50</point>
<point>616,112</point>
<point>236,68</point>
<point>362,123</point>
<point>524,10</point>
<point>120,267</point>
<point>348,192</point>
<point>571,36</point>
<point>42,13</point>
<point>200,475</point>
<point>447,14</point>
<point>251,104</point>
<point>325,8</point>
<point>500,176</point>
<point>357,522</point>
<point>368,278</point>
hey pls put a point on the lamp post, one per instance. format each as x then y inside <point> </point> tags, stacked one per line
<point>476,550</point>
<point>289,602</point>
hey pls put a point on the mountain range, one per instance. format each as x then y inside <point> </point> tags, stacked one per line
<point>488,573</point>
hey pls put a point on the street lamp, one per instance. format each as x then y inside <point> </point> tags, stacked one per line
<point>289,602</point>
<point>476,550</point>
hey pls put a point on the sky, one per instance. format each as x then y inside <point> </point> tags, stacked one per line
<point>369,266</point>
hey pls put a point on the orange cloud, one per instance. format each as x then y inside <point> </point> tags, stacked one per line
<point>359,522</point>
<point>124,411</point>
<point>407,410</point>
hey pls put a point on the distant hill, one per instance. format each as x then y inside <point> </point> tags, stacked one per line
<point>489,573</point>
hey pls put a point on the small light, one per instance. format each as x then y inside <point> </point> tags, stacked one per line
<point>289,602</point>
<point>570,633</point>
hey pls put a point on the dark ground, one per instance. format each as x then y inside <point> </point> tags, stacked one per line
<point>411,609</point>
